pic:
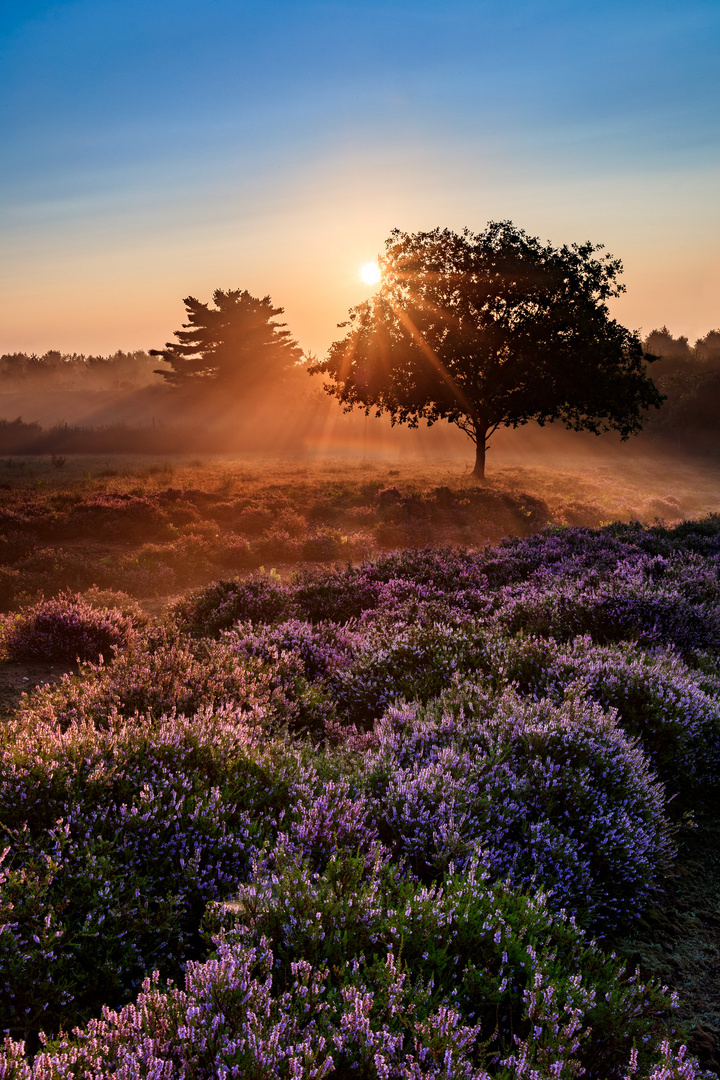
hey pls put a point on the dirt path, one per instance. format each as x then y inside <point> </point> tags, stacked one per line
<point>19,678</point>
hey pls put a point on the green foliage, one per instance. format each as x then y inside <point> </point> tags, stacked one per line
<point>484,948</point>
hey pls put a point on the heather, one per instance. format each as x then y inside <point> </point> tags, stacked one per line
<point>393,817</point>
<point>67,627</point>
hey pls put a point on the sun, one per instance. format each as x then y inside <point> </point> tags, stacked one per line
<point>370,273</point>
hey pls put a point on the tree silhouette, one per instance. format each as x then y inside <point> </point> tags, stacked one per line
<point>237,344</point>
<point>489,330</point>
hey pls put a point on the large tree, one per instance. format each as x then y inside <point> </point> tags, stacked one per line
<point>237,344</point>
<point>492,329</point>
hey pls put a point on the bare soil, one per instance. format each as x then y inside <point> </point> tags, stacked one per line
<point>18,678</point>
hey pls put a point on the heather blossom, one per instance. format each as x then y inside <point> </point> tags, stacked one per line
<point>367,819</point>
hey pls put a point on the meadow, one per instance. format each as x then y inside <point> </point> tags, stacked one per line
<point>358,769</point>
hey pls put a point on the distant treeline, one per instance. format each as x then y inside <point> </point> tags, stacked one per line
<point>688,374</point>
<point>75,371</point>
<point>19,437</point>
<point>690,377</point>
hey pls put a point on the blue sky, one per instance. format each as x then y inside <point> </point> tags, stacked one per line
<point>156,149</point>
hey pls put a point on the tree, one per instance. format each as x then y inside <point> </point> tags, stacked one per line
<point>491,330</point>
<point>237,343</point>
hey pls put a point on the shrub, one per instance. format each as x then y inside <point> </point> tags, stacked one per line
<point>371,1005</point>
<point>481,947</point>
<point>413,659</point>
<point>324,544</point>
<point>660,701</point>
<point>158,674</point>
<point>260,598</point>
<point>547,793</point>
<point>118,839</point>
<point>67,628</point>
<point>610,610</point>
<point>323,649</point>
<point>235,551</point>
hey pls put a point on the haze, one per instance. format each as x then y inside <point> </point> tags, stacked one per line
<point>155,150</point>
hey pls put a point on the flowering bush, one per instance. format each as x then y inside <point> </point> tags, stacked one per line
<point>158,673</point>
<point>482,947</point>
<point>67,628</point>
<point>554,794</point>
<point>117,840</point>
<point>610,610</point>
<point>253,1010</point>
<point>673,710</point>
<point>324,649</point>
<point>260,597</point>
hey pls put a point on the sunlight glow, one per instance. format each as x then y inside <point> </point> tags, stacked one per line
<point>370,273</point>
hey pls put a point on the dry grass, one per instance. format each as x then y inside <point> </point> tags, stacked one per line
<point>155,527</point>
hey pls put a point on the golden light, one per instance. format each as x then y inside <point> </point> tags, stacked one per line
<point>370,273</point>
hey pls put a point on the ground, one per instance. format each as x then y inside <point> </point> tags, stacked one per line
<point>139,533</point>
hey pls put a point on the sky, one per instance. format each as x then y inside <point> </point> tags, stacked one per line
<point>155,149</point>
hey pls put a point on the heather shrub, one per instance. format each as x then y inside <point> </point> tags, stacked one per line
<point>114,598</point>
<point>334,595</point>
<point>259,598</point>
<point>116,840</point>
<point>412,657</point>
<point>162,673</point>
<point>323,648</point>
<point>672,710</point>
<point>518,991</point>
<point>345,595</point>
<point>445,569</point>
<point>130,518</point>
<point>14,544</point>
<point>67,628</point>
<point>482,948</point>
<point>610,610</point>
<point>544,792</point>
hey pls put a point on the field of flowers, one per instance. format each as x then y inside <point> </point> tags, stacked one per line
<point>392,819</point>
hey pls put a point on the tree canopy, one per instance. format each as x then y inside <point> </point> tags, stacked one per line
<point>237,343</point>
<point>492,329</point>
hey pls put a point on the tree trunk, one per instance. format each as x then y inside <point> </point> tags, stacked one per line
<point>479,470</point>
